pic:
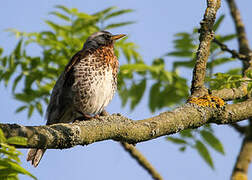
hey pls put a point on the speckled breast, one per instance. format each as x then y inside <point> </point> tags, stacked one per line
<point>95,84</point>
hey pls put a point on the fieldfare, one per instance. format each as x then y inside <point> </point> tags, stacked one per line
<point>85,87</point>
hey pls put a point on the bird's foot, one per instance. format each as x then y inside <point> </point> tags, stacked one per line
<point>82,118</point>
<point>98,117</point>
<point>104,113</point>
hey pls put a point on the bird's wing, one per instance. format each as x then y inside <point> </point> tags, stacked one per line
<point>60,106</point>
<point>68,72</point>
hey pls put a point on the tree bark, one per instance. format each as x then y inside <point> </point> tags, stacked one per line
<point>119,128</point>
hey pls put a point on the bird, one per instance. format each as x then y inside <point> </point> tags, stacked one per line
<point>85,87</point>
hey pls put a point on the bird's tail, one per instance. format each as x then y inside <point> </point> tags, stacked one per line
<point>35,155</point>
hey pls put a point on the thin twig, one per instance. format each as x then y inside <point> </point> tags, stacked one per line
<point>234,53</point>
<point>206,36</point>
<point>142,161</point>
<point>228,94</point>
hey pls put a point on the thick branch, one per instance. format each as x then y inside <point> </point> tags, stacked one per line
<point>206,36</point>
<point>119,128</point>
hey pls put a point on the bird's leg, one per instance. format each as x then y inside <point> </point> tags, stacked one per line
<point>84,117</point>
<point>104,113</point>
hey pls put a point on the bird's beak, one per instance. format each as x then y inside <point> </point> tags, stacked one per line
<point>118,36</point>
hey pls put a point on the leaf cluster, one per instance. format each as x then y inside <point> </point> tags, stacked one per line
<point>200,140</point>
<point>167,88</point>
<point>9,158</point>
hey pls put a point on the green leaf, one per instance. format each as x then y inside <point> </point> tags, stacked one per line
<point>124,95</point>
<point>186,133</point>
<point>219,61</point>
<point>212,141</point>
<point>182,149</point>
<point>218,22</point>
<point>17,79</point>
<point>204,153</point>
<point>55,26</point>
<point>30,111</point>
<point>39,108</point>
<point>21,108</point>
<point>189,64</point>
<point>2,137</point>
<point>17,51</point>
<point>1,51</point>
<point>15,32</point>
<point>8,174</point>
<point>23,97</point>
<point>68,11</point>
<point>134,67</point>
<point>105,11</point>
<point>17,140</point>
<point>226,37</point>
<point>61,16</point>
<point>154,96</point>
<point>84,16</point>
<point>180,54</point>
<point>115,25</point>
<point>6,151</point>
<point>249,73</point>
<point>16,167</point>
<point>176,140</point>
<point>117,13</point>
<point>136,92</point>
<point>184,42</point>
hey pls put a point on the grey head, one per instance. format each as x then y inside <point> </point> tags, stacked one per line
<point>101,38</point>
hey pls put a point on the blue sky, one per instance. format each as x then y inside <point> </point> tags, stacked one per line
<point>157,22</point>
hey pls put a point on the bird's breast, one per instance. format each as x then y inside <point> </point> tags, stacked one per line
<point>94,86</point>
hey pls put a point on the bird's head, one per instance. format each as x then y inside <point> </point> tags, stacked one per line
<point>101,38</point>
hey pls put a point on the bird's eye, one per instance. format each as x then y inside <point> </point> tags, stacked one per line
<point>106,36</point>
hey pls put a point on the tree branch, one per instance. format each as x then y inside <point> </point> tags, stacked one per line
<point>119,128</point>
<point>242,36</point>
<point>243,160</point>
<point>240,28</point>
<point>232,93</point>
<point>245,155</point>
<point>234,53</point>
<point>206,36</point>
<point>142,161</point>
